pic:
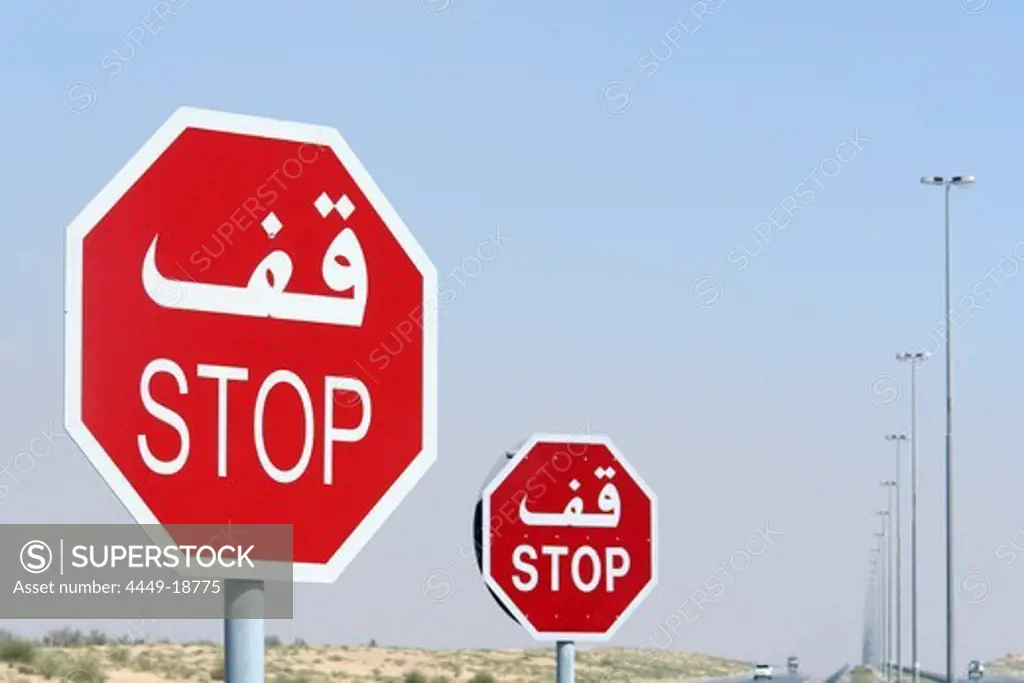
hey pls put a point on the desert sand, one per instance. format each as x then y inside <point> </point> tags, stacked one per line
<point>24,662</point>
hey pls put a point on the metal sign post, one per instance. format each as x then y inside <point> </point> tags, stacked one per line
<point>243,631</point>
<point>565,661</point>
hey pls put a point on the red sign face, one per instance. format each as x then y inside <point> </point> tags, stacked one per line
<point>571,547</point>
<point>252,337</point>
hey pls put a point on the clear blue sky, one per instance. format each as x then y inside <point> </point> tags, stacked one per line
<point>479,116</point>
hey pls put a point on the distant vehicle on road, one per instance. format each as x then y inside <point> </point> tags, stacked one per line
<point>762,671</point>
<point>975,669</point>
<point>793,664</point>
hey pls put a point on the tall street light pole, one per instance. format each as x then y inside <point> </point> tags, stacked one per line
<point>880,599</point>
<point>876,618</point>
<point>883,536</point>
<point>890,557</point>
<point>866,633</point>
<point>947,183</point>
<point>872,620</point>
<point>897,488</point>
<point>916,359</point>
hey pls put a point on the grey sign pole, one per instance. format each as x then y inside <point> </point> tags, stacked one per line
<point>243,631</point>
<point>565,662</point>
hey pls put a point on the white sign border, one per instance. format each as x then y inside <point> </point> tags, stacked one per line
<point>524,450</point>
<point>192,117</point>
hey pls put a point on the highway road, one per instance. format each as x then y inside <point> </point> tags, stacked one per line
<point>781,675</point>
<point>937,677</point>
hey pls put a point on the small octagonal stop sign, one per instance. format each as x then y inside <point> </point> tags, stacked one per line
<point>251,336</point>
<point>570,537</point>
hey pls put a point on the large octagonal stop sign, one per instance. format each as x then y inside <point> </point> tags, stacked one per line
<point>570,537</point>
<point>251,336</point>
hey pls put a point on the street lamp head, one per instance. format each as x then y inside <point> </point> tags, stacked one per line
<point>895,437</point>
<point>958,180</point>
<point>913,356</point>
